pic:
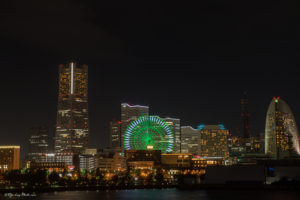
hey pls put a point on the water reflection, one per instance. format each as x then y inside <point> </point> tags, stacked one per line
<point>170,194</point>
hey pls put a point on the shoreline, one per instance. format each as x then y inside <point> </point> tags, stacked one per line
<point>84,188</point>
<point>238,187</point>
<point>179,187</point>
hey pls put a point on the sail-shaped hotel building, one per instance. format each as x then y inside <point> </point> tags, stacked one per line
<point>281,133</point>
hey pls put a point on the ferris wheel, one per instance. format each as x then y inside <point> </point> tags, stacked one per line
<point>149,132</point>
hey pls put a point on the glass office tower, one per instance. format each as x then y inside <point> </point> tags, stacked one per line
<point>72,129</point>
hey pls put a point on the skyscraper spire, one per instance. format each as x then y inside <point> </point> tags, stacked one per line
<point>72,129</point>
<point>245,115</point>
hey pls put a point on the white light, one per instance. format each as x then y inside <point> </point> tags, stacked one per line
<point>72,77</point>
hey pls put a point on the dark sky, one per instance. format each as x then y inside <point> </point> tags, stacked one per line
<point>184,60</point>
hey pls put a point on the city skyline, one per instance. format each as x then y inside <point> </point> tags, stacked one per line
<point>182,62</point>
<point>123,104</point>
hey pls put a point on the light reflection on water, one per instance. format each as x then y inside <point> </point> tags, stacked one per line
<point>170,194</point>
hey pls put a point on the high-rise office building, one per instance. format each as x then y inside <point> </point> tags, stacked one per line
<point>175,127</point>
<point>115,134</point>
<point>38,141</point>
<point>281,133</point>
<point>72,129</point>
<point>130,113</point>
<point>189,140</point>
<point>213,141</point>
<point>9,157</point>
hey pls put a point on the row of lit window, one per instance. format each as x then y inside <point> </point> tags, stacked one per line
<point>3,166</point>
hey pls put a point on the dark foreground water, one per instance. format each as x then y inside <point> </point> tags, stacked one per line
<point>169,194</point>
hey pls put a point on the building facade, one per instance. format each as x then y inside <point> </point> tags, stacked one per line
<point>111,161</point>
<point>66,158</point>
<point>189,140</point>
<point>9,158</point>
<point>128,114</point>
<point>72,129</point>
<point>143,159</point>
<point>176,160</point>
<point>203,162</point>
<point>174,124</point>
<point>281,133</point>
<point>213,141</point>
<point>38,141</point>
<point>115,134</point>
<point>55,161</point>
<point>88,160</point>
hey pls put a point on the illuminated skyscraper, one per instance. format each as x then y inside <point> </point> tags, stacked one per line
<point>130,113</point>
<point>115,134</point>
<point>281,133</point>
<point>72,129</point>
<point>213,141</point>
<point>38,141</point>
<point>175,127</point>
<point>189,140</point>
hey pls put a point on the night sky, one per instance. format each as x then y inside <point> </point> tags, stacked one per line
<point>184,60</point>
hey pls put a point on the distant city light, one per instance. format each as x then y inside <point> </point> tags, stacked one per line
<point>149,147</point>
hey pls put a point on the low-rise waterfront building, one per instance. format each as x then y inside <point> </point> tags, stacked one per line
<point>143,159</point>
<point>54,161</point>
<point>203,162</point>
<point>110,161</point>
<point>9,158</point>
<point>175,161</point>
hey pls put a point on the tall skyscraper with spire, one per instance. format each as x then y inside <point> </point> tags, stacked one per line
<point>72,128</point>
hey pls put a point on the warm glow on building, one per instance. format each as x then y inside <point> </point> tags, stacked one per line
<point>149,147</point>
<point>281,134</point>
<point>213,141</point>
<point>9,158</point>
<point>72,130</point>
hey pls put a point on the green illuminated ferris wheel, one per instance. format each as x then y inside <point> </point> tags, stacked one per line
<point>149,132</point>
